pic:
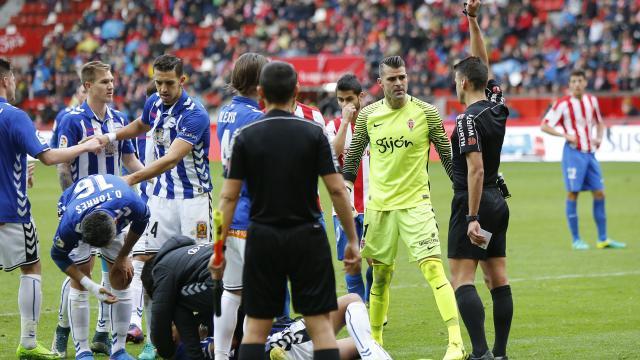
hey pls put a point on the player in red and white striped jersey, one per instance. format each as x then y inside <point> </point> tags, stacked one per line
<point>577,114</point>
<point>340,131</point>
<point>308,112</point>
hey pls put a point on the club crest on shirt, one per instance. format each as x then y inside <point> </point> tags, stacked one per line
<point>63,141</point>
<point>201,230</point>
<point>411,124</point>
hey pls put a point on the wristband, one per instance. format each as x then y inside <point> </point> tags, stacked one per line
<point>93,288</point>
<point>111,136</point>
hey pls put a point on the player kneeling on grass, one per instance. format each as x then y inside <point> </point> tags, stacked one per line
<point>294,342</point>
<point>93,212</point>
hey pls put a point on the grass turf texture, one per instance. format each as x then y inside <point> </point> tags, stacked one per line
<point>568,304</point>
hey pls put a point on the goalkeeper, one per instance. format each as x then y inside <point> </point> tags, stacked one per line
<point>399,129</point>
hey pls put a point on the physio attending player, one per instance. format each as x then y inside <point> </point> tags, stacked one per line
<point>94,211</point>
<point>20,246</point>
<point>399,129</point>
<point>92,117</point>
<point>285,238</point>
<point>178,280</point>
<point>180,203</point>
<point>294,342</point>
<point>577,114</point>
<point>242,110</point>
<point>340,132</point>
<point>477,202</point>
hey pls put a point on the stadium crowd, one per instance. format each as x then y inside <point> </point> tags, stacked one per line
<point>535,49</point>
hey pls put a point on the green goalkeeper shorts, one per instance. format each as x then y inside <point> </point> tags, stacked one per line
<point>416,226</point>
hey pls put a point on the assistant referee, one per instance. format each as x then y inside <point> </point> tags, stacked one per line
<point>477,202</point>
<point>280,157</point>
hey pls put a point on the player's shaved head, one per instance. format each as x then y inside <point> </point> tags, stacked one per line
<point>278,81</point>
<point>394,62</point>
<point>246,73</point>
<point>98,228</point>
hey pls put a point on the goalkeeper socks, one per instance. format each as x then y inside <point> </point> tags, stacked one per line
<point>472,313</point>
<point>502,315</point>
<point>326,354</point>
<point>29,300</point>
<point>369,282</point>
<point>103,324</point>
<point>433,271</point>
<point>63,315</point>
<point>572,219</point>
<point>120,316</point>
<point>601,218</point>
<point>225,324</point>
<point>355,285</point>
<point>379,298</point>
<point>137,294</point>
<point>79,319</point>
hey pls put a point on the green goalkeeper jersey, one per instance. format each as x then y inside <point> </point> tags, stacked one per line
<point>399,152</point>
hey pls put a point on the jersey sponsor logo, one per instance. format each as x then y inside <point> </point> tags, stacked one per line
<point>201,230</point>
<point>63,142</point>
<point>461,137</point>
<point>411,124</point>
<point>390,144</point>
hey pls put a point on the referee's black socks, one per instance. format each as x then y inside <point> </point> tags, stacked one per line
<point>472,312</point>
<point>326,354</point>
<point>502,315</point>
<point>252,352</point>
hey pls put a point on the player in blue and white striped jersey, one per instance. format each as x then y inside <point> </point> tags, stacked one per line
<point>94,211</point>
<point>78,98</point>
<point>19,246</point>
<point>93,117</point>
<point>180,203</point>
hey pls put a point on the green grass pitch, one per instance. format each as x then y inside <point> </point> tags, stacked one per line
<point>568,304</point>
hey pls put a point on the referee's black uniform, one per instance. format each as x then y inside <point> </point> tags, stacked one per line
<point>480,128</point>
<point>280,157</point>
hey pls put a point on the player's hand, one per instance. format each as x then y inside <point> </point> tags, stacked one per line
<point>121,273</point>
<point>571,139</point>
<point>104,139</point>
<point>128,179</point>
<point>473,7</point>
<point>93,145</point>
<point>596,143</point>
<point>216,270</point>
<point>473,232</point>
<point>31,169</point>
<point>352,259</point>
<point>348,113</point>
<point>106,297</point>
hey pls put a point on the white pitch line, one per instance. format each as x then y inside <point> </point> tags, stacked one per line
<point>537,278</point>
<point>543,278</point>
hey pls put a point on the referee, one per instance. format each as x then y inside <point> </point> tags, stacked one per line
<point>477,201</point>
<point>280,157</point>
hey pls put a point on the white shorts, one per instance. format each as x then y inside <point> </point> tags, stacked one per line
<point>19,245</point>
<point>234,255</point>
<point>172,217</point>
<point>84,251</point>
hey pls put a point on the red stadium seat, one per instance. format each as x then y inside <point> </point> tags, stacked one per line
<point>203,33</point>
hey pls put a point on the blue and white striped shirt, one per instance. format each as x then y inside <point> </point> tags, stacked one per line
<point>81,123</point>
<point>188,121</point>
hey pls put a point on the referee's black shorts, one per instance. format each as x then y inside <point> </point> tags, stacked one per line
<point>494,218</point>
<point>300,253</point>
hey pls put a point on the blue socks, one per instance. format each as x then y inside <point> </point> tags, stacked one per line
<point>601,218</point>
<point>369,282</point>
<point>572,218</point>
<point>355,285</point>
